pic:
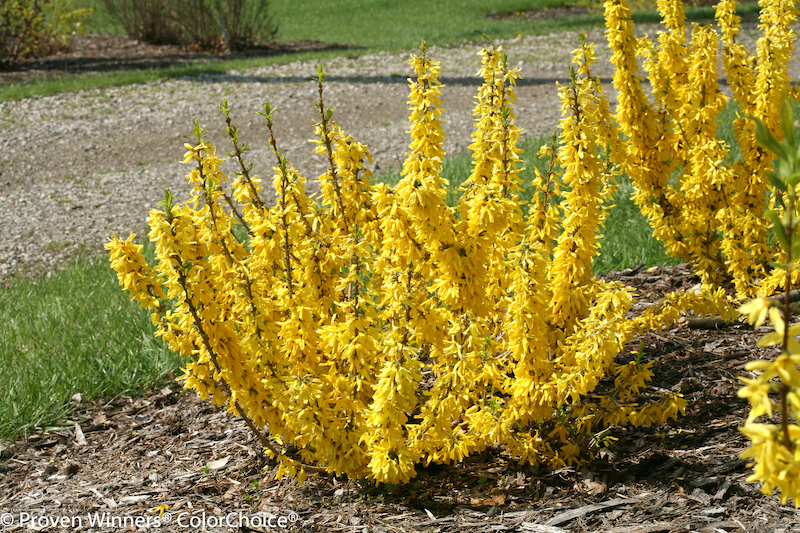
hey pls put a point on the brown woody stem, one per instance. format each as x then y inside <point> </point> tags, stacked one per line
<point>787,315</point>
<point>329,148</point>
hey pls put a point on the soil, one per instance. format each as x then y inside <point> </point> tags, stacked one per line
<point>127,457</point>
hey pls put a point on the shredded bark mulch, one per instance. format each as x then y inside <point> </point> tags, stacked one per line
<point>131,457</point>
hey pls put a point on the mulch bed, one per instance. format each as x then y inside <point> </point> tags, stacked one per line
<point>128,456</point>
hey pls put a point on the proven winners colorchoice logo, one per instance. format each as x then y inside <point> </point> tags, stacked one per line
<point>184,519</point>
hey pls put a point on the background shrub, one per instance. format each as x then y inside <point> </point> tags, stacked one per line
<point>195,23</point>
<point>32,28</point>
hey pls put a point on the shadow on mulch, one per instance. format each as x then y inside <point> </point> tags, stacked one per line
<point>97,52</point>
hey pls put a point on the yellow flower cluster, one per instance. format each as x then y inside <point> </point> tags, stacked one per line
<point>775,449</point>
<point>705,205</point>
<point>375,328</point>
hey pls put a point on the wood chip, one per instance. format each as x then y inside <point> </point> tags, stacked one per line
<point>219,463</point>
<point>644,528</point>
<point>528,527</point>
<point>696,322</point>
<point>80,438</point>
<point>134,499</point>
<point>723,489</point>
<point>110,502</point>
<point>586,509</point>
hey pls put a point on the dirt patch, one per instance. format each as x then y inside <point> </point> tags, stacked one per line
<point>131,456</point>
<point>96,52</point>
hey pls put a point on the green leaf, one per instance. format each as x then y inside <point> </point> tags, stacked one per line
<point>785,166</point>
<point>787,122</point>
<point>268,110</point>
<point>766,140</point>
<point>797,151</point>
<point>793,180</point>
<point>198,131</point>
<point>775,264</point>
<point>166,203</point>
<point>776,181</point>
<point>777,227</point>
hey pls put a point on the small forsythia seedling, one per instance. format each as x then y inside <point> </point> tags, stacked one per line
<point>375,329</point>
<point>775,449</point>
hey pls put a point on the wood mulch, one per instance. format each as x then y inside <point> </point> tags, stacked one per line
<point>126,457</point>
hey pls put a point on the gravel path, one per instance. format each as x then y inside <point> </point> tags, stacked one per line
<point>77,167</point>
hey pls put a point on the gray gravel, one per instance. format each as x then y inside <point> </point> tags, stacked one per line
<point>77,167</point>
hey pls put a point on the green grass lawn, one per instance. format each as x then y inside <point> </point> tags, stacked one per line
<point>400,25</point>
<point>73,332</point>
<point>386,24</point>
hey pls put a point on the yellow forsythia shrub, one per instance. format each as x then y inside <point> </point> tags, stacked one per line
<point>374,328</point>
<point>705,205</point>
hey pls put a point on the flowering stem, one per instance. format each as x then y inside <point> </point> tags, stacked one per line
<point>787,310</point>
<point>285,223</point>
<point>274,145</point>
<point>329,149</point>
<point>237,152</point>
